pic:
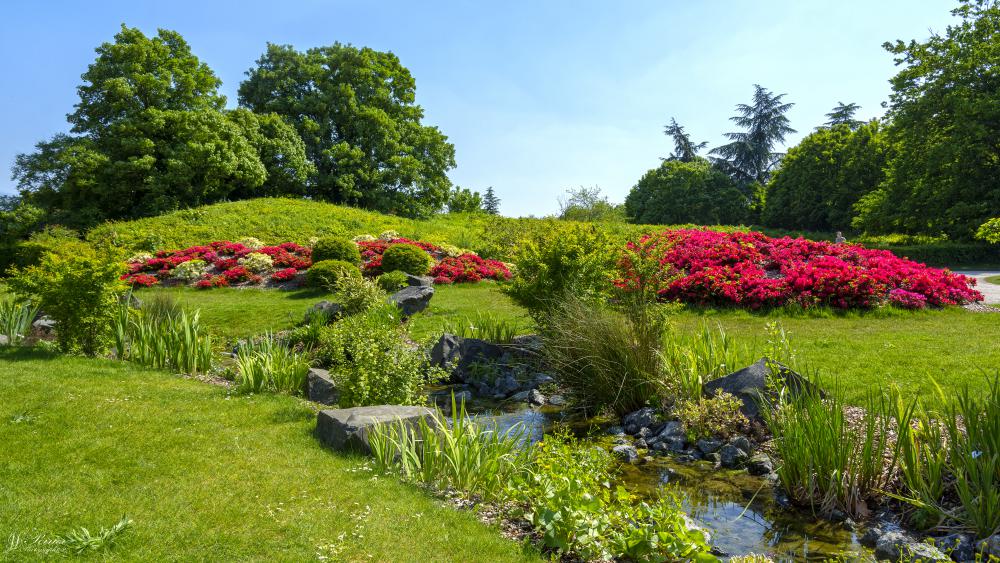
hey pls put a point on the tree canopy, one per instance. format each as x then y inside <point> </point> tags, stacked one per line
<point>750,155</point>
<point>588,205</point>
<point>356,113</point>
<point>685,149</point>
<point>686,192</point>
<point>843,114</point>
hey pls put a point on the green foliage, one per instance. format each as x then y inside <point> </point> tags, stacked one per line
<point>491,203</point>
<point>52,238</point>
<point>944,112</point>
<point>371,363</point>
<point>843,114</point>
<point>698,355</point>
<point>750,155</point>
<point>990,231</point>
<point>827,461</point>
<point>78,541</point>
<point>576,260</point>
<point>682,192</point>
<point>266,364</point>
<point>393,281</point>
<point>327,273</point>
<point>951,457</point>
<point>281,152</point>
<point>330,248</point>
<point>685,150</point>
<point>717,416</point>
<point>16,316</point>
<point>587,206</point>
<point>354,109</point>
<point>462,455</point>
<point>358,295</point>
<point>485,326</point>
<point>464,200</point>
<point>571,504</point>
<point>161,334</point>
<point>604,358</point>
<point>822,177</point>
<point>406,258</point>
<point>79,290</point>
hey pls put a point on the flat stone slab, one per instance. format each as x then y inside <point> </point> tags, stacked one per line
<point>348,429</point>
<point>412,299</point>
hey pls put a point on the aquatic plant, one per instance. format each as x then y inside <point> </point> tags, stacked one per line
<point>266,364</point>
<point>16,316</point>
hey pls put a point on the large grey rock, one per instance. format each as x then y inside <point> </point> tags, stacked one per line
<point>760,464</point>
<point>642,418</point>
<point>732,457</point>
<point>419,281</point>
<point>750,385</point>
<point>446,350</point>
<point>536,398</point>
<point>412,299</point>
<point>961,547</point>
<point>321,387</point>
<point>44,325</point>
<point>460,354</point>
<point>990,546</point>
<point>327,310</point>
<point>896,545</point>
<point>556,400</point>
<point>507,385</point>
<point>348,429</point>
<point>626,453</point>
<point>708,445</point>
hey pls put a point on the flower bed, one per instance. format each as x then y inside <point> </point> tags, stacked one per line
<point>220,264</point>
<point>749,269</point>
<point>224,263</point>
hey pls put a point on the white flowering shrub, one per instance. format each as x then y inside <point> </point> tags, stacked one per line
<point>140,257</point>
<point>364,238</point>
<point>257,262</point>
<point>190,270</point>
<point>388,235</point>
<point>251,243</point>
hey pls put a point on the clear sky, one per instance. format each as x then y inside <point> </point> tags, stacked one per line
<point>537,96</point>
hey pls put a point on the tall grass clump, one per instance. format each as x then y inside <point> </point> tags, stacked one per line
<point>161,334</point>
<point>702,356</point>
<point>266,364</point>
<point>465,456</point>
<point>485,326</point>
<point>950,462</point>
<point>829,462</point>
<point>16,316</point>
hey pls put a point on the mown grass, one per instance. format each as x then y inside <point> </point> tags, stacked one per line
<point>203,475</point>
<point>993,279</point>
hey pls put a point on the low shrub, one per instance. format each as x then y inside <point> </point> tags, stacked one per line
<point>718,416</point>
<point>370,361</point>
<point>570,503</point>
<point>392,281</point>
<point>407,258</point>
<point>187,271</point>
<point>251,242</point>
<point>266,364</point>
<point>53,238</point>
<point>463,455</point>
<point>79,290</point>
<point>358,295</point>
<point>162,335</point>
<point>235,261</point>
<point>16,316</point>
<point>256,262</point>
<point>327,273</point>
<point>990,231</point>
<point>336,249</point>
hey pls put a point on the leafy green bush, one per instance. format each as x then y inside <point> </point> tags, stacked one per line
<point>392,281</point>
<point>162,335</point>
<point>370,361</point>
<point>79,290</point>
<point>990,231</point>
<point>406,258</point>
<point>329,248</point>
<point>52,239</point>
<point>571,504</point>
<point>577,260</point>
<point>16,316</point>
<point>327,273</point>
<point>266,364</point>
<point>464,455</point>
<point>717,416</point>
<point>358,295</point>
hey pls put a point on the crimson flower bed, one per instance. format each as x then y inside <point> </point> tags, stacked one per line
<point>220,264</point>
<point>463,268</point>
<point>749,269</point>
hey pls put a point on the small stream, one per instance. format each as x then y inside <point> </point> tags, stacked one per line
<point>741,511</point>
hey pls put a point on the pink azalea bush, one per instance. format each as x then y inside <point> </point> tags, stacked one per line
<point>466,268</point>
<point>749,269</point>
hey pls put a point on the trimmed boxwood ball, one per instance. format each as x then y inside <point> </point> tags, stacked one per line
<point>406,258</point>
<point>392,281</point>
<point>329,248</point>
<point>326,273</point>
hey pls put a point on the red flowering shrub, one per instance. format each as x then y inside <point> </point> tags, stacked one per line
<point>237,274</point>
<point>223,259</point>
<point>142,280</point>
<point>469,268</point>
<point>752,270</point>
<point>284,275</point>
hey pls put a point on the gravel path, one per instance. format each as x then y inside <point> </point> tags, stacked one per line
<point>990,291</point>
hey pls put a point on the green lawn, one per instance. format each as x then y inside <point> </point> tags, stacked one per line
<point>204,476</point>
<point>993,280</point>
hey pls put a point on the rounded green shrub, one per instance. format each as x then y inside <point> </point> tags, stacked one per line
<point>406,258</point>
<point>326,273</point>
<point>392,281</point>
<point>329,248</point>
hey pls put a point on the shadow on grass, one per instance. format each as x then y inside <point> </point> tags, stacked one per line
<point>27,353</point>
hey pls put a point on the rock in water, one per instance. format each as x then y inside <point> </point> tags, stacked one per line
<point>412,299</point>
<point>750,385</point>
<point>641,418</point>
<point>348,429</point>
<point>321,387</point>
<point>626,453</point>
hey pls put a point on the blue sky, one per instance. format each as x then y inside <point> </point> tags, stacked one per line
<point>537,96</point>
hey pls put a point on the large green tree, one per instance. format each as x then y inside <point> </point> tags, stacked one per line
<point>843,114</point>
<point>150,135</point>
<point>685,149</point>
<point>750,154</point>
<point>945,129</point>
<point>355,110</point>
<point>588,205</point>
<point>686,192</point>
<point>822,177</point>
